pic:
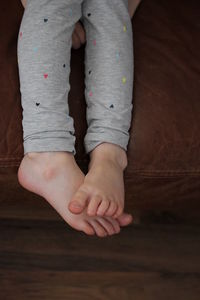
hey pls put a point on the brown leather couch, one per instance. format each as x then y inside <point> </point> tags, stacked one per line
<point>163,173</point>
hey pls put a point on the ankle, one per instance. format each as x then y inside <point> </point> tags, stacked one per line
<point>49,156</point>
<point>49,164</point>
<point>50,160</point>
<point>111,152</point>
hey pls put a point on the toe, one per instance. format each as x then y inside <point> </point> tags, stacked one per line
<point>119,211</point>
<point>107,225</point>
<point>111,209</point>
<point>93,205</point>
<point>78,202</point>
<point>125,219</point>
<point>99,229</point>
<point>114,223</point>
<point>87,228</point>
<point>103,207</point>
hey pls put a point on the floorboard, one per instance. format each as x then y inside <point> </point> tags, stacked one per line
<point>46,259</point>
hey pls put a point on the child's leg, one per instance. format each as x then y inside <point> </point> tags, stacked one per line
<point>44,47</point>
<point>109,84</point>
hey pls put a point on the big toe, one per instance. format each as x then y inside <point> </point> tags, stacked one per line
<point>125,219</point>
<point>78,202</point>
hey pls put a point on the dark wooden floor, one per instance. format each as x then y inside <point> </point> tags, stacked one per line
<point>46,259</point>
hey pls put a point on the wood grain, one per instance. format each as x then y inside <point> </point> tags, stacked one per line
<point>46,259</point>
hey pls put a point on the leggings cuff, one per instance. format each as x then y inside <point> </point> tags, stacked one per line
<point>92,140</point>
<point>49,145</point>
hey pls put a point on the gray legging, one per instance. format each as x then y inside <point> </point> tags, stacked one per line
<point>44,49</point>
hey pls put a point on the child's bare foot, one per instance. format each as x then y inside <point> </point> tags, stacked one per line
<point>103,187</point>
<point>56,177</point>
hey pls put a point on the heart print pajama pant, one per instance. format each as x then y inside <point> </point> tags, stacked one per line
<point>44,50</point>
